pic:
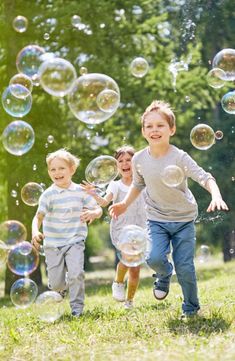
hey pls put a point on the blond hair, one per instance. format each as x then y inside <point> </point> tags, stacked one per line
<point>63,154</point>
<point>124,149</point>
<point>162,108</point>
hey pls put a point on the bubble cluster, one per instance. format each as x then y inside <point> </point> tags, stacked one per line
<point>12,232</point>
<point>202,136</point>
<point>20,24</point>
<point>30,193</point>
<point>23,292</point>
<point>82,99</point>
<point>228,102</point>
<point>18,137</point>
<point>101,170</point>
<point>139,67</point>
<point>17,100</point>
<point>225,60</point>
<point>49,306</point>
<point>57,76</point>
<point>172,176</point>
<point>23,259</point>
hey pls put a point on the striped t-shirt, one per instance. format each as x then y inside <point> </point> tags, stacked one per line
<point>62,209</point>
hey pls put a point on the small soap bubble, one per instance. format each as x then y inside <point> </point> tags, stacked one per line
<point>101,170</point>
<point>83,70</point>
<point>203,253</point>
<point>12,232</point>
<point>35,167</point>
<point>202,136</point>
<point>215,78</point>
<point>219,135</point>
<point>50,139</point>
<point>20,24</point>
<point>225,60</point>
<point>14,193</point>
<point>46,36</point>
<point>23,80</point>
<point>30,193</point>
<point>139,67</point>
<point>17,100</point>
<point>228,102</point>
<point>29,60</point>
<point>23,292</point>
<point>76,21</point>
<point>187,99</point>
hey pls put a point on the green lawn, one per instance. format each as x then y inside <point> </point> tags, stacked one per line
<point>152,331</point>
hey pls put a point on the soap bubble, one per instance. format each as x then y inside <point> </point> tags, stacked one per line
<point>57,76</point>
<point>14,193</point>
<point>225,60</point>
<point>172,176</point>
<point>82,99</point>
<point>101,170</point>
<point>23,259</point>
<point>18,137</point>
<point>228,102</point>
<point>17,100</point>
<point>83,70</point>
<point>23,80</point>
<point>12,232</point>
<point>215,78</point>
<point>29,60</point>
<point>139,67</point>
<point>108,100</point>
<point>23,292</point>
<point>49,306</point>
<point>50,139</point>
<point>203,253</point>
<point>76,21</point>
<point>132,240</point>
<point>219,135</point>
<point>131,260</point>
<point>30,193</point>
<point>20,24</point>
<point>202,136</point>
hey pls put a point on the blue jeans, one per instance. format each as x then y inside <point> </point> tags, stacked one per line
<point>182,237</point>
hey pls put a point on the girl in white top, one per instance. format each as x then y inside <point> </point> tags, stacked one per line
<point>135,214</point>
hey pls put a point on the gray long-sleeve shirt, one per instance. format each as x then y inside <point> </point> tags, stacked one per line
<point>165,203</point>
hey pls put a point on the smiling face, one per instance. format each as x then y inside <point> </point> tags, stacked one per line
<point>156,129</point>
<point>124,165</point>
<point>60,172</point>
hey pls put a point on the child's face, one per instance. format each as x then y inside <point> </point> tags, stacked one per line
<point>60,172</point>
<point>124,165</point>
<point>156,129</point>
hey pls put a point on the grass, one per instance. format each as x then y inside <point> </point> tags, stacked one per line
<point>152,331</point>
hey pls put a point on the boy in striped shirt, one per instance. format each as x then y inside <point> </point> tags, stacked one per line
<point>63,210</point>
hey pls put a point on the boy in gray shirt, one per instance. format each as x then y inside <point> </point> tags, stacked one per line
<point>171,210</point>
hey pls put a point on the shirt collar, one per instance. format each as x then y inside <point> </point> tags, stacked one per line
<point>72,187</point>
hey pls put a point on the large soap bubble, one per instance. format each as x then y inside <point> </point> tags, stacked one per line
<point>131,260</point>
<point>202,136</point>
<point>215,78</point>
<point>17,100</point>
<point>29,60</point>
<point>23,259</point>
<point>139,67</point>
<point>23,80</point>
<point>57,76</point>
<point>172,176</point>
<point>132,240</point>
<point>30,193</point>
<point>82,99</point>
<point>20,24</point>
<point>49,306</point>
<point>101,170</point>
<point>228,102</point>
<point>23,292</point>
<point>18,137</point>
<point>12,232</point>
<point>225,60</point>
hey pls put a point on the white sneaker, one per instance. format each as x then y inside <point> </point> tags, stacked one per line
<point>118,290</point>
<point>159,294</point>
<point>128,305</point>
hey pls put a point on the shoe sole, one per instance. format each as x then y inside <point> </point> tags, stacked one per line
<point>160,299</point>
<point>118,300</point>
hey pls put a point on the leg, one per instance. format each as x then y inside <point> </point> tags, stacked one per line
<point>118,287</point>
<point>56,268</point>
<point>183,242</point>
<point>133,282</point>
<point>74,259</point>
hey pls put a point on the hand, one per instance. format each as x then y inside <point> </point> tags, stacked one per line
<point>88,215</point>
<point>217,203</point>
<point>89,188</point>
<point>37,239</point>
<point>116,209</point>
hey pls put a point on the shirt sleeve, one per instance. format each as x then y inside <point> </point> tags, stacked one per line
<point>43,204</point>
<point>138,179</point>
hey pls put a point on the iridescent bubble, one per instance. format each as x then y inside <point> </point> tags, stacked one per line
<point>16,100</point>
<point>46,36</point>
<point>76,21</point>
<point>215,78</point>
<point>203,253</point>
<point>57,76</point>
<point>29,60</point>
<point>21,262</point>
<point>49,306</point>
<point>14,193</point>
<point>83,70</point>
<point>172,176</point>
<point>202,137</point>
<point>23,80</point>
<point>50,139</point>
<point>30,193</point>
<point>132,240</point>
<point>139,67</point>
<point>20,24</point>
<point>219,135</point>
<point>12,232</point>
<point>228,102</point>
<point>101,170</point>
<point>108,100</point>
<point>18,137</point>
<point>82,98</point>
<point>225,60</point>
<point>23,292</point>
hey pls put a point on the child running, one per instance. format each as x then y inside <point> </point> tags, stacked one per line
<point>135,215</point>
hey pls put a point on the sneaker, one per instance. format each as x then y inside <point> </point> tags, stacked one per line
<point>63,293</point>
<point>77,314</point>
<point>118,291</point>
<point>159,294</point>
<point>188,316</point>
<point>128,305</point>
<point>160,290</point>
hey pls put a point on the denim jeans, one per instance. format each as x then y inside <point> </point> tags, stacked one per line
<point>181,235</point>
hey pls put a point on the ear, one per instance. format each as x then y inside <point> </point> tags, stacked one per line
<point>173,130</point>
<point>73,169</point>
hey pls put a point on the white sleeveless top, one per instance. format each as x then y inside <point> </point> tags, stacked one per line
<point>135,213</point>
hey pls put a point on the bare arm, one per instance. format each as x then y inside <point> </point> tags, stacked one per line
<point>118,208</point>
<point>37,236</point>
<point>216,198</point>
<point>102,201</point>
<point>88,215</point>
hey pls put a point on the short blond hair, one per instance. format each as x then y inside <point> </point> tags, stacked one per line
<point>63,154</point>
<point>163,108</point>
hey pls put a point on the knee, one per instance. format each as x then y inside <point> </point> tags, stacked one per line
<point>155,261</point>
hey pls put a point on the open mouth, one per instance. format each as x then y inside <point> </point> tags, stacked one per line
<point>126,170</point>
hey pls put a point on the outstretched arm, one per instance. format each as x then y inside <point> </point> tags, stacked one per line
<point>216,198</point>
<point>118,208</point>
<point>88,215</point>
<point>91,189</point>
